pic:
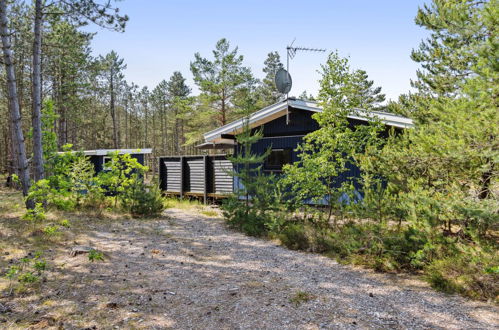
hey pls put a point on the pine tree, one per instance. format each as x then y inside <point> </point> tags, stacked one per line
<point>113,67</point>
<point>306,96</point>
<point>446,166</point>
<point>221,79</point>
<point>15,113</point>
<point>268,93</point>
<point>369,97</point>
<point>159,100</point>
<point>462,31</point>
<point>144,97</point>
<point>82,11</point>
<point>178,93</point>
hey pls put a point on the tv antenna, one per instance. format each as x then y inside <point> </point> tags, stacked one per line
<point>291,52</point>
<point>283,78</point>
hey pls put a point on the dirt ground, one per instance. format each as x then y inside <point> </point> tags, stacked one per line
<point>186,270</point>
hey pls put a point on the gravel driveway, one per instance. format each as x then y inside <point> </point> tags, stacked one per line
<point>190,272</point>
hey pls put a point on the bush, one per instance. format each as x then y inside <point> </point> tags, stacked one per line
<point>142,199</point>
<point>36,214</point>
<point>294,236</point>
<point>247,220</point>
<point>469,272</point>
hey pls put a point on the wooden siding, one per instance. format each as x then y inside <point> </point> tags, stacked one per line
<point>171,179</point>
<point>206,176</point>
<point>300,123</point>
<point>195,174</point>
<point>223,181</point>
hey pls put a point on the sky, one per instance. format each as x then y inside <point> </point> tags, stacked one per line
<point>162,36</point>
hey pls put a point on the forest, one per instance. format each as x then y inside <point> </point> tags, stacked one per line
<point>429,202</point>
<point>93,106</point>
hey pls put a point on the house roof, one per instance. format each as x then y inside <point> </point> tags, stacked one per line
<point>104,152</point>
<point>279,109</point>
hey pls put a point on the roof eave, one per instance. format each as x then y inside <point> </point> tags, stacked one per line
<point>359,114</point>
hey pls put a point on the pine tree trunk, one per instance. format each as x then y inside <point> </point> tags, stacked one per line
<point>162,127</point>
<point>37,95</point>
<point>126,121</point>
<point>223,115</point>
<point>15,113</point>
<point>113,110</point>
<point>146,126</point>
<point>177,133</point>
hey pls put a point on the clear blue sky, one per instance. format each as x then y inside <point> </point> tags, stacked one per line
<point>163,35</point>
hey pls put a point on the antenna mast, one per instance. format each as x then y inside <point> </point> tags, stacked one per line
<point>291,52</point>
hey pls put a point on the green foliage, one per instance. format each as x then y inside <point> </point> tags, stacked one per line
<point>267,91</point>
<point>70,181</point>
<point>430,198</point>
<point>141,199</point>
<point>73,184</point>
<point>295,237</point>
<point>469,272</point>
<point>94,255</point>
<point>443,174</point>
<point>327,154</point>
<point>463,40</point>
<point>49,137</point>
<point>121,173</point>
<point>223,81</point>
<point>65,223</point>
<point>40,265</point>
<point>36,214</point>
<point>254,207</point>
<point>27,277</point>
<point>51,230</point>
<point>27,271</point>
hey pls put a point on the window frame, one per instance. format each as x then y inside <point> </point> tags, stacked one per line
<point>105,160</point>
<point>277,168</point>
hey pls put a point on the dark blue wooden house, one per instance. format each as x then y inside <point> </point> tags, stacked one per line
<point>284,125</point>
<point>99,157</point>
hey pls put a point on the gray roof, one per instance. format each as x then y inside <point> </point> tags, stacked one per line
<point>279,109</point>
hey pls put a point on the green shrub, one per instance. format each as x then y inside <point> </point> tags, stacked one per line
<point>65,223</point>
<point>95,255</point>
<point>294,236</point>
<point>36,214</point>
<point>467,272</point>
<point>26,271</point>
<point>51,230</point>
<point>141,199</point>
<point>27,277</point>
<point>123,174</point>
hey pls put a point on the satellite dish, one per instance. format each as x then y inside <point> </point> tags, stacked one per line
<point>283,81</point>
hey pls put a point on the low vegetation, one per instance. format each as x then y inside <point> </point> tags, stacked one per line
<point>423,200</point>
<point>73,185</point>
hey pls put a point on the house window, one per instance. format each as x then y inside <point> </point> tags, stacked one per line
<point>106,164</point>
<point>277,159</point>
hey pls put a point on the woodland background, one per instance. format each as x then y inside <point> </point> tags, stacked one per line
<point>88,103</point>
